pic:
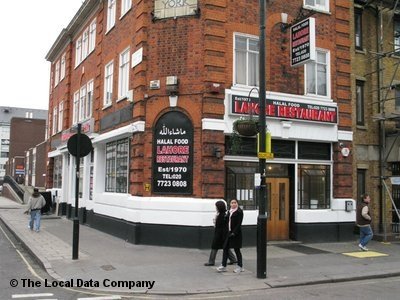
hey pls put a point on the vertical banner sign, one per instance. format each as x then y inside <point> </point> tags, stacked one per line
<point>302,42</point>
<point>173,154</point>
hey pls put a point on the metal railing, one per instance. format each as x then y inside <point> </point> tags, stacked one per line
<point>15,186</point>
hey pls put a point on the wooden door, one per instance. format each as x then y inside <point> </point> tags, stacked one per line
<point>278,209</point>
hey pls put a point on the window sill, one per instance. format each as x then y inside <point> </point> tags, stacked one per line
<point>361,127</point>
<point>125,13</point>
<point>106,106</point>
<point>122,98</point>
<point>109,29</point>
<point>361,51</point>
<point>320,10</point>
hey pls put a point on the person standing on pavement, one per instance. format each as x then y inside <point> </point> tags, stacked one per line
<point>35,204</point>
<point>364,219</point>
<point>220,233</point>
<point>234,239</point>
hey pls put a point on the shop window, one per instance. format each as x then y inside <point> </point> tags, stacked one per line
<point>313,186</point>
<point>117,166</point>
<point>240,181</point>
<point>240,184</point>
<point>57,172</point>
<point>314,151</point>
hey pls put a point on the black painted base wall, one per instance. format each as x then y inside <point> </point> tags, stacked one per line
<point>201,237</point>
<point>325,232</point>
<point>162,235</point>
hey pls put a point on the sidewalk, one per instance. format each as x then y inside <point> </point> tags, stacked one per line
<point>181,271</point>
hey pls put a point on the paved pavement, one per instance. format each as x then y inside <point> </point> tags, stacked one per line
<point>179,271</point>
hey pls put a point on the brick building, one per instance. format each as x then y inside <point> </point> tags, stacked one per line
<point>25,133</point>
<point>376,91</point>
<point>157,86</point>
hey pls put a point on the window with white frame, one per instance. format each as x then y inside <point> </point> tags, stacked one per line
<point>83,102</point>
<point>125,6</point>
<point>117,166</point>
<point>57,172</point>
<point>55,120</point>
<point>92,35</point>
<point>317,4</point>
<point>60,116</point>
<point>75,116</point>
<point>78,51</point>
<point>123,76</point>
<point>89,100</point>
<point>62,67</point>
<point>108,83</point>
<point>85,43</point>
<point>57,73</point>
<point>111,14</point>
<point>317,75</point>
<point>246,60</point>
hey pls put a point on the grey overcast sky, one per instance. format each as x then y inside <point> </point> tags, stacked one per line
<point>28,29</point>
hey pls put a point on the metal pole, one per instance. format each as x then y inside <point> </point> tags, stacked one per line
<point>75,233</point>
<point>262,195</point>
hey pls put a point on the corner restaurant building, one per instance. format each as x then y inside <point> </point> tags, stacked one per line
<point>157,167</point>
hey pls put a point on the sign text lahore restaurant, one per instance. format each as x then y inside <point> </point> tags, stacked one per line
<point>284,109</point>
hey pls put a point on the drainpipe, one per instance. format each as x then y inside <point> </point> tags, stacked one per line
<point>381,110</point>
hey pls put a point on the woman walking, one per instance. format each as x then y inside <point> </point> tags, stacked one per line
<point>220,233</point>
<point>234,239</point>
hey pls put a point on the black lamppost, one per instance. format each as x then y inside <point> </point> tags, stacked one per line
<point>262,195</point>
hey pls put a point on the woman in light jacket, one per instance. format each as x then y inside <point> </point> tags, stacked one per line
<point>234,239</point>
<point>220,234</point>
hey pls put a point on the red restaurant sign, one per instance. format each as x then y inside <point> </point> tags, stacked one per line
<point>282,109</point>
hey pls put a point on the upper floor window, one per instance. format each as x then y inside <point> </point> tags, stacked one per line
<point>317,75</point>
<point>358,28</point>
<point>317,4</point>
<point>62,68</point>
<point>60,116</point>
<point>75,115</point>
<point>360,102</point>
<point>86,43</point>
<point>92,35</point>
<point>55,120</point>
<point>110,14</point>
<point>108,83</point>
<point>123,76</point>
<point>396,33</point>
<point>125,6</point>
<point>57,73</point>
<point>246,61</point>
<point>78,51</point>
<point>83,101</point>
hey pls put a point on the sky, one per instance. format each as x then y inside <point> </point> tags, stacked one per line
<point>28,29</point>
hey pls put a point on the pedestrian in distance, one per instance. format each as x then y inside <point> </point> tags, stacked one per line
<point>364,219</point>
<point>220,234</point>
<point>35,204</point>
<point>234,238</point>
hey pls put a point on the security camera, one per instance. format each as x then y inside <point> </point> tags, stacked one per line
<point>341,145</point>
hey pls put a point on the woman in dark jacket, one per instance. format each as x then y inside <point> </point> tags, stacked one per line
<point>234,239</point>
<point>220,234</point>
